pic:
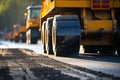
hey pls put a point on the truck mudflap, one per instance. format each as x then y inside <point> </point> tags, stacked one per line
<point>66,34</point>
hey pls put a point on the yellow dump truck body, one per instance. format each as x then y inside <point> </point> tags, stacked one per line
<point>48,5</point>
<point>94,18</point>
<point>32,24</point>
<point>32,17</point>
<point>95,24</point>
<point>22,28</point>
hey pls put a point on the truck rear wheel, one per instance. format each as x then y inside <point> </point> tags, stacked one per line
<point>48,35</point>
<point>91,49</point>
<point>32,35</point>
<point>118,45</point>
<point>107,50</point>
<point>17,39</point>
<point>43,36</point>
<point>118,51</point>
<point>66,35</point>
<point>23,37</point>
<point>118,41</point>
<point>118,34</point>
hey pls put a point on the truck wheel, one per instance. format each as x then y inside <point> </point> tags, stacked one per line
<point>32,36</point>
<point>17,39</point>
<point>118,40</point>
<point>118,33</point>
<point>43,36</point>
<point>66,35</point>
<point>107,50</point>
<point>48,35</point>
<point>27,36</point>
<point>23,37</point>
<point>118,51</point>
<point>91,49</point>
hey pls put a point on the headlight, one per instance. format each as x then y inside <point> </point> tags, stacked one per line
<point>31,23</point>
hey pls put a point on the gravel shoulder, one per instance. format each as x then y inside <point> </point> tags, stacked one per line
<point>23,64</point>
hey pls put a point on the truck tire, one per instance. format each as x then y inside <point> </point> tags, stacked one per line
<point>118,47</point>
<point>118,34</point>
<point>118,51</point>
<point>23,37</point>
<point>32,35</point>
<point>91,49</point>
<point>48,35</point>
<point>17,39</point>
<point>43,36</point>
<point>66,35</point>
<point>118,41</point>
<point>107,50</point>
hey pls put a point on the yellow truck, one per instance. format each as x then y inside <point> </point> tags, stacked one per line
<point>67,24</point>
<point>32,24</point>
<point>9,36</point>
<point>22,31</point>
<point>16,33</point>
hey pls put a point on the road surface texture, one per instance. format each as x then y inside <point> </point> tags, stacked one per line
<point>106,64</point>
<point>22,64</point>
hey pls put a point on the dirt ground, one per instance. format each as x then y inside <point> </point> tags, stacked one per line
<point>22,64</point>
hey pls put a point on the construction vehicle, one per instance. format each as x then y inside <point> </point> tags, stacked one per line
<point>22,31</point>
<point>32,24</point>
<point>9,36</point>
<point>67,24</point>
<point>16,33</point>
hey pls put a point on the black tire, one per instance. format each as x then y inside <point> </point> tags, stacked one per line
<point>23,37</point>
<point>91,49</point>
<point>17,39</point>
<point>107,50</point>
<point>118,51</point>
<point>66,36</point>
<point>118,33</point>
<point>43,37</point>
<point>32,35</point>
<point>48,35</point>
<point>11,39</point>
<point>118,41</point>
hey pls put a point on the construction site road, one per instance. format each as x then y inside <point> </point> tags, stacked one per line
<point>103,67</point>
<point>22,64</point>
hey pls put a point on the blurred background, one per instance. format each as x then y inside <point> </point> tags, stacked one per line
<point>11,12</point>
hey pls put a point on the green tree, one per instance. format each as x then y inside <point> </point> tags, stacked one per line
<point>12,11</point>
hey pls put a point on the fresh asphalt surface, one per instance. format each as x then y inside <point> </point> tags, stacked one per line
<point>105,64</point>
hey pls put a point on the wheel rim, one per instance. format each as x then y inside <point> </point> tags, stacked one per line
<point>48,35</point>
<point>43,36</point>
<point>54,39</point>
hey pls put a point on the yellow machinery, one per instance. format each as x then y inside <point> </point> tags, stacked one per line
<point>22,31</point>
<point>67,24</point>
<point>32,24</point>
<point>9,36</point>
<point>16,32</point>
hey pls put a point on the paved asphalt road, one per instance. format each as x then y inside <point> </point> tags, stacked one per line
<point>106,64</point>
